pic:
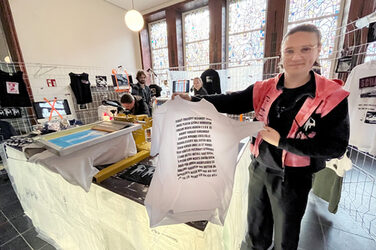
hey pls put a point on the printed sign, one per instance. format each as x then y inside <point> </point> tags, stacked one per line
<point>51,82</point>
<point>13,88</point>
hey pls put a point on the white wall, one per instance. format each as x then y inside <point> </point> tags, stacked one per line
<point>73,32</point>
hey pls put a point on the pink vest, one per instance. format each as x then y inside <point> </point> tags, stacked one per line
<point>329,94</point>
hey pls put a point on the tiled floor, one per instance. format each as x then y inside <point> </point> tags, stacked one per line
<point>16,229</point>
<point>320,229</point>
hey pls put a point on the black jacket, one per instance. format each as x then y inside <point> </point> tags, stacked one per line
<point>332,131</point>
<point>140,107</point>
<point>145,93</point>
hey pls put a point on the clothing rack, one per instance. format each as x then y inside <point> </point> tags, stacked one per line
<point>38,73</point>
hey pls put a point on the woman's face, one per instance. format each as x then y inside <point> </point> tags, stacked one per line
<point>299,52</point>
<point>197,84</point>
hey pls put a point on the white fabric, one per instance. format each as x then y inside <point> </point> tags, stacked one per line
<point>69,218</point>
<point>193,133</point>
<point>78,167</point>
<point>362,110</point>
<point>340,166</point>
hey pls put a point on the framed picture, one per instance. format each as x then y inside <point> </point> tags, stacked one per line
<point>101,81</point>
<point>344,64</point>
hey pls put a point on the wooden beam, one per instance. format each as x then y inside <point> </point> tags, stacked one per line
<point>174,37</point>
<point>145,48</point>
<point>275,17</point>
<point>217,31</point>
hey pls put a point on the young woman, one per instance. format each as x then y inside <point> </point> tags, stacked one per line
<point>198,87</point>
<point>306,123</point>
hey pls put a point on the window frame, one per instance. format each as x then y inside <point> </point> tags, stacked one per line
<point>184,14</point>
<point>238,33</point>
<point>151,48</point>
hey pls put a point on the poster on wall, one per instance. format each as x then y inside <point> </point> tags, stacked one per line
<point>344,64</point>
<point>101,82</point>
<point>121,79</point>
<point>371,33</point>
<point>8,113</point>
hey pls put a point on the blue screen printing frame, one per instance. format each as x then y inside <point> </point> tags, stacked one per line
<point>71,140</point>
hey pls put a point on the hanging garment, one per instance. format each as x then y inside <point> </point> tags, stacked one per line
<point>81,87</point>
<point>327,183</point>
<point>195,168</point>
<point>13,92</point>
<point>211,81</point>
<point>362,106</point>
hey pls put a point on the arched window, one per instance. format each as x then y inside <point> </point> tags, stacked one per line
<point>158,44</point>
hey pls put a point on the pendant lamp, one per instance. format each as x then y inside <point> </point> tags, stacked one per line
<point>134,20</point>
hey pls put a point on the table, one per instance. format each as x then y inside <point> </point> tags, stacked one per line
<point>112,216</point>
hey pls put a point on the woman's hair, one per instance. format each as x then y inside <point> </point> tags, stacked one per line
<point>139,73</point>
<point>304,28</point>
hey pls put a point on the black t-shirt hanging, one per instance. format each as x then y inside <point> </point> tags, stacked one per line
<point>13,91</point>
<point>81,87</point>
<point>155,90</point>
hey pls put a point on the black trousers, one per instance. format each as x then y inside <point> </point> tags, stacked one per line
<point>279,202</point>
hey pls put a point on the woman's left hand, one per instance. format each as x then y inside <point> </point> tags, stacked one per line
<point>270,135</point>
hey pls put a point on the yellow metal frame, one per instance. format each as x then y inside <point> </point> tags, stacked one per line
<point>120,166</point>
<point>143,147</point>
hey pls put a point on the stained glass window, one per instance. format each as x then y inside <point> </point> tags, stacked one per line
<point>241,12</point>
<point>306,9</point>
<point>158,41</point>
<point>246,21</point>
<point>196,37</point>
<point>323,14</point>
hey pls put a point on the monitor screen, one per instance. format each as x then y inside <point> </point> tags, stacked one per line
<point>43,109</point>
<point>180,86</point>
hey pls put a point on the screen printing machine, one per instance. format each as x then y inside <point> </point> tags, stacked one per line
<point>79,189</point>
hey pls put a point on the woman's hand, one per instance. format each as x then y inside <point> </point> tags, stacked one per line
<point>270,135</point>
<point>184,96</point>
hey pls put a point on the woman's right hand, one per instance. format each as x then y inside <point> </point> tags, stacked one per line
<point>184,96</point>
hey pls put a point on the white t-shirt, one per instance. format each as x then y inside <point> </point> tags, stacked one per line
<point>197,149</point>
<point>361,84</point>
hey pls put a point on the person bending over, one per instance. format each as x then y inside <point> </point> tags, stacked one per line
<point>134,104</point>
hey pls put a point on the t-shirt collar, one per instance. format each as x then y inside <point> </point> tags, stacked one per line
<point>309,88</point>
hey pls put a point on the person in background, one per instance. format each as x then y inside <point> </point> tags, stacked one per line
<point>306,123</point>
<point>134,104</point>
<point>141,89</point>
<point>197,87</point>
<point>155,90</point>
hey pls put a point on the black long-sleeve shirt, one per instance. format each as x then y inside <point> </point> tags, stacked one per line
<point>332,131</point>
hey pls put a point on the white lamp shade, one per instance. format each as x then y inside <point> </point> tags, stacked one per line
<point>134,20</point>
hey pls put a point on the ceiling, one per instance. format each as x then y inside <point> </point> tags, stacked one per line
<point>143,6</point>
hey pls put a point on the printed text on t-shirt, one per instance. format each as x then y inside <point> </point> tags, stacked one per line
<point>195,153</point>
